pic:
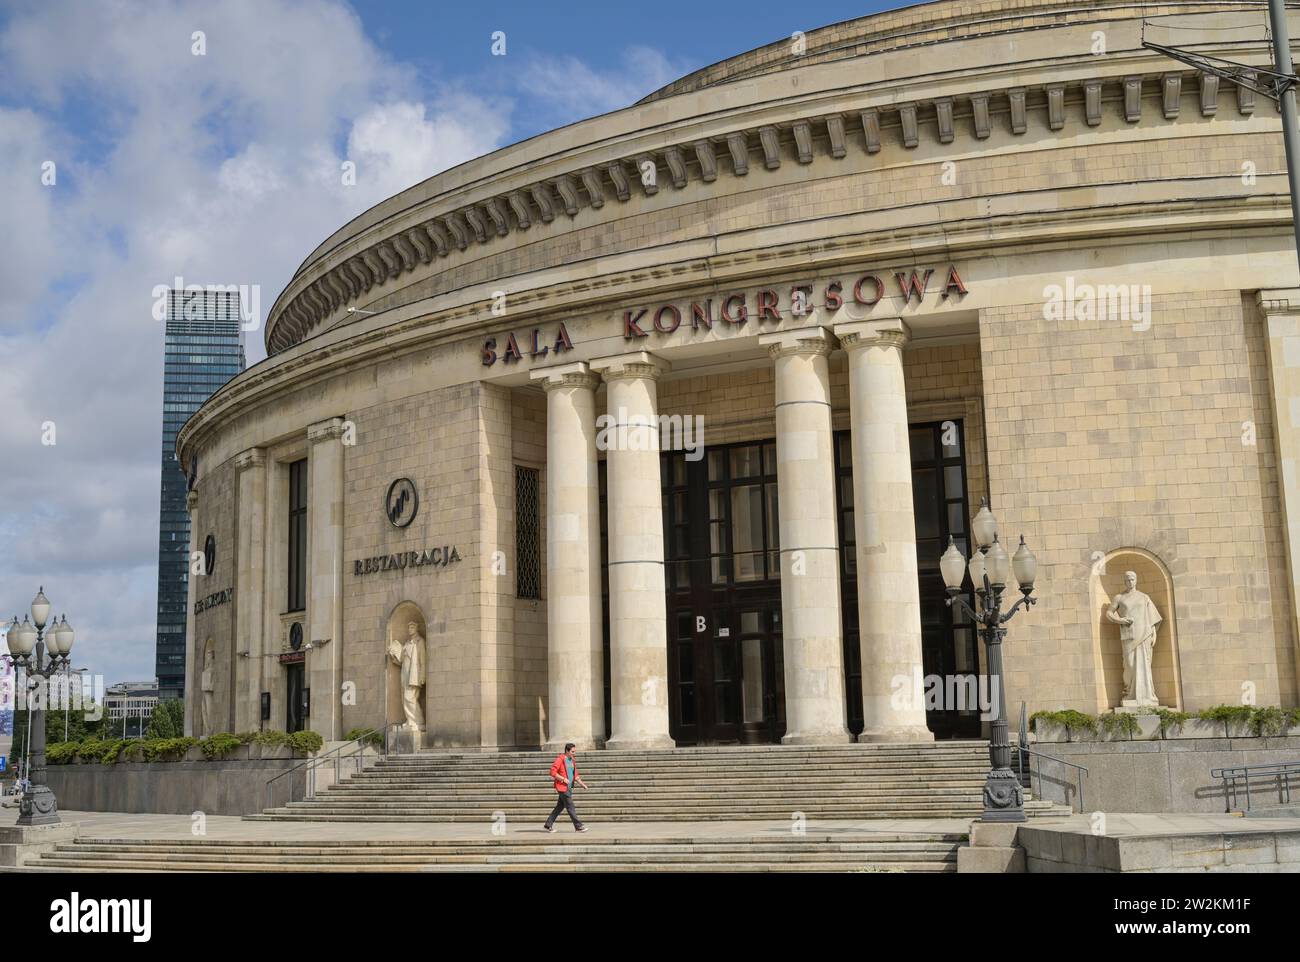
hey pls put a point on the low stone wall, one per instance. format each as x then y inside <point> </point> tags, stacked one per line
<point>1054,850</point>
<point>1160,776</point>
<point>233,787</point>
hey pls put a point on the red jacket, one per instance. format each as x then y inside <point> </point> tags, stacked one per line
<point>559,773</point>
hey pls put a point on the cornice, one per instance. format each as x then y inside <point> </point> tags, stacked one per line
<point>416,328</point>
<point>416,239</point>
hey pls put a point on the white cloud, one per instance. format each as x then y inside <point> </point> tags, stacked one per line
<point>576,90</point>
<point>220,169</point>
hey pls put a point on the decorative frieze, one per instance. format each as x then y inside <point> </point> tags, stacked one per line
<point>481,221</point>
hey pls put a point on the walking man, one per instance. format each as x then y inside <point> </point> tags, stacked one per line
<point>564,773</point>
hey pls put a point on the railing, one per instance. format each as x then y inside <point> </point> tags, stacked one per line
<point>1022,750</point>
<point>335,755</point>
<point>1280,772</point>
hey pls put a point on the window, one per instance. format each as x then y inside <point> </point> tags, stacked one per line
<point>528,536</point>
<point>298,535</point>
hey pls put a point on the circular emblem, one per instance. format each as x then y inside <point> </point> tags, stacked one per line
<point>401,502</point>
<point>209,555</point>
<point>295,635</point>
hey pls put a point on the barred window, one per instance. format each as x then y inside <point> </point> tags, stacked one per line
<point>528,535</point>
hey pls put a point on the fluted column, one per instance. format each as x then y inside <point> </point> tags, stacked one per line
<point>889,600</point>
<point>638,617</point>
<point>325,576</point>
<point>191,640</point>
<point>250,588</point>
<point>810,558</point>
<point>574,650</point>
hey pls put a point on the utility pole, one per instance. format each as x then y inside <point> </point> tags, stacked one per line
<point>1286,82</point>
<point>1277,84</point>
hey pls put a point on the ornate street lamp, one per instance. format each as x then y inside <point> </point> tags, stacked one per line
<point>990,570</point>
<point>29,643</point>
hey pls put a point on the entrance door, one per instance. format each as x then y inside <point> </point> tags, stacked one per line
<point>724,596</point>
<point>293,696</point>
<point>948,641</point>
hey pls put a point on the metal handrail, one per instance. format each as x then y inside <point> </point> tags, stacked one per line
<point>1022,748</point>
<point>1231,774</point>
<point>315,762</point>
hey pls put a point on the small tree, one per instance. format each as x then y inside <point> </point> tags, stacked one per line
<point>168,719</point>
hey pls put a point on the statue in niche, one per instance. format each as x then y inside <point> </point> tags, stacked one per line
<point>205,686</point>
<point>1138,619</point>
<point>409,654</point>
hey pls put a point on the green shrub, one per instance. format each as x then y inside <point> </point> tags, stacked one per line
<point>1068,717</point>
<point>219,745</point>
<point>1293,717</point>
<point>1228,715</point>
<point>1119,723</point>
<point>306,743</point>
<point>1266,722</point>
<point>246,737</point>
<point>367,736</point>
<point>1171,719</point>
<point>61,753</point>
<point>167,749</point>
<point>271,737</point>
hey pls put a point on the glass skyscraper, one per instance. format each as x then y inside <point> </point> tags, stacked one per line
<point>204,349</point>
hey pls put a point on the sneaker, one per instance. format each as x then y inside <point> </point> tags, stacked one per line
<point>548,828</point>
<point>582,828</point>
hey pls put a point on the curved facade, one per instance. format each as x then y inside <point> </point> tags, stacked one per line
<point>888,268</point>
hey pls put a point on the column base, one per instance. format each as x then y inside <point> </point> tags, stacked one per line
<point>580,744</point>
<point>903,733</point>
<point>639,743</point>
<point>831,737</point>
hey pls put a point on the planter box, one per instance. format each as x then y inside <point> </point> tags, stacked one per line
<point>1049,732</point>
<point>269,751</point>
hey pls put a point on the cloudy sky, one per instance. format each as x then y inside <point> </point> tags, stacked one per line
<point>224,168</point>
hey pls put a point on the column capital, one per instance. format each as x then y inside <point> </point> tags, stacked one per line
<point>885,332</point>
<point>802,340</point>
<point>575,374</point>
<point>327,430</point>
<point>252,458</point>
<point>636,364</point>
<point>1284,300</point>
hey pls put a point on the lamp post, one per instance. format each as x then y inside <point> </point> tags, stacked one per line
<point>29,643</point>
<point>990,569</point>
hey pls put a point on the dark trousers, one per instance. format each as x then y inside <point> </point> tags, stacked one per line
<point>563,802</point>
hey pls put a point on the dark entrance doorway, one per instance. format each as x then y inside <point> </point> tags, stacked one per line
<point>723,574</point>
<point>948,642</point>
<point>293,698</point>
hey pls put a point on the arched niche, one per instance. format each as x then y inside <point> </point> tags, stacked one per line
<point>1153,578</point>
<point>404,614</point>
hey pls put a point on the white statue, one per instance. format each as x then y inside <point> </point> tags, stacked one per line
<point>410,655</point>
<point>205,686</point>
<point>1137,617</point>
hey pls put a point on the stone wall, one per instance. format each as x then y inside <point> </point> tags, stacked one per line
<point>1102,437</point>
<point>175,788</point>
<point>1160,776</point>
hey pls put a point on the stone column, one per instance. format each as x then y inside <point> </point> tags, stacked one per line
<point>1281,310</point>
<point>575,644</point>
<point>325,575</point>
<point>810,556</point>
<point>250,589</point>
<point>889,599</point>
<point>192,641</point>
<point>638,614</point>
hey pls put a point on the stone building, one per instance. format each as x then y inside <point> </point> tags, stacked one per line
<point>889,268</point>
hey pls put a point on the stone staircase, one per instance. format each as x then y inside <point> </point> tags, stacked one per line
<point>937,780</point>
<point>769,852</point>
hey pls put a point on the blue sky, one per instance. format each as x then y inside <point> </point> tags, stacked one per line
<point>223,167</point>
